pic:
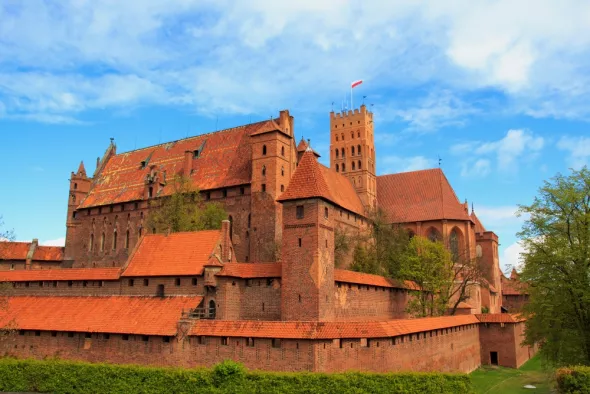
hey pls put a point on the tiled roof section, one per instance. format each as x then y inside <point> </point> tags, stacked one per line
<point>418,196</point>
<point>303,145</point>
<point>60,274</point>
<point>175,254</point>
<point>326,330</point>
<point>116,314</point>
<point>513,286</point>
<point>251,270</point>
<point>14,250</point>
<point>500,318</point>
<point>224,160</point>
<point>268,127</point>
<point>311,179</point>
<point>48,253</point>
<point>479,228</point>
<point>360,278</point>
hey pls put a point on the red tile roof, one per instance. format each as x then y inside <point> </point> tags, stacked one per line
<point>251,270</point>
<point>418,196</point>
<point>303,145</point>
<point>513,286</point>
<point>60,274</point>
<point>326,330</point>
<point>311,179</point>
<point>183,253</point>
<point>360,278</point>
<point>500,318</point>
<point>224,160</point>
<point>116,314</point>
<point>19,251</point>
<point>479,227</point>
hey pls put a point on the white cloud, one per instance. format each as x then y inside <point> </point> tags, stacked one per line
<point>578,148</point>
<point>511,256</point>
<point>476,169</point>
<point>55,242</point>
<point>394,164</point>
<point>250,56</point>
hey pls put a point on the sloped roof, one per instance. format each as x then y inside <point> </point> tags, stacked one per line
<point>303,145</point>
<point>185,253</point>
<point>360,278</point>
<point>19,251</point>
<point>479,227</point>
<point>418,196</point>
<point>513,286</point>
<point>115,314</point>
<point>327,330</point>
<point>224,160</point>
<point>311,179</point>
<point>60,274</point>
<point>251,270</point>
<point>500,318</point>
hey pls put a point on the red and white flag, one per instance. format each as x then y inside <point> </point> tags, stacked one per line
<point>356,83</point>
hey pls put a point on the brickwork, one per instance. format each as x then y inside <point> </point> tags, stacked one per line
<point>505,340</point>
<point>354,302</point>
<point>514,303</point>
<point>67,288</point>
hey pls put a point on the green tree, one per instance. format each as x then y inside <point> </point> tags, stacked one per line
<point>5,235</point>
<point>184,210</point>
<point>430,266</point>
<point>556,239</point>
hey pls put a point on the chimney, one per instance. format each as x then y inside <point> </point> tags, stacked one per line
<point>188,163</point>
<point>31,253</point>
<point>225,241</point>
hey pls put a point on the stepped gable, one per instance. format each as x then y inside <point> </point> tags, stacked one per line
<point>479,228</point>
<point>251,270</point>
<point>327,330</point>
<point>311,179</point>
<point>419,196</point>
<point>60,274</point>
<point>185,253</point>
<point>114,314</point>
<point>223,160</point>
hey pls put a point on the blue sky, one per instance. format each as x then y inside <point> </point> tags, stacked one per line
<point>497,91</point>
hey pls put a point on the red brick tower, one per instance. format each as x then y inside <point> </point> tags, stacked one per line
<point>273,161</point>
<point>352,151</point>
<point>79,187</point>
<point>307,287</point>
<point>486,251</point>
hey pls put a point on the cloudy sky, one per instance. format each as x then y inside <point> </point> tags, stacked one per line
<point>499,90</point>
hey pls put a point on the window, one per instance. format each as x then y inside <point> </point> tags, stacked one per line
<point>300,212</point>
<point>70,283</point>
<point>343,167</point>
<point>359,164</point>
<point>54,284</point>
<point>263,188</point>
<point>263,307</point>
<point>224,192</point>
<point>102,237</point>
<point>231,228</point>
<point>224,341</point>
<point>127,240</point>
<point>194,281</point>
<point>40,283</point>
<point>263,150</point>
<point>337,168</point>
<point>208,196</point>
<point>342,153</point>
<point>100,283</point>
<point>87,335</point>
<point>145,338</point>
<point>166,339</point>
<point>454,245</point>
<point>299,296</point>
<point>115,240</point>
<point>342,135</point>
<point>242,191</point>
<point>433,235</point>
<point>84,283</point>
<point>131,282</point>
<point>196,153</point>
<point>282,171</point>
<point>282,151</point>
<point>177,282</point>
<point>146,282</point>
<point>353,166</point>
<point>91,243</point>
<point>53,333</point>
<point>326,212</point>
<point>336,135</point>
<point>150,192</point>
<point>300,242</point>
<point>70,334</point>
<point>125,337</point>
<point>160,290</point>
<point>263,170</point>
<point>282,188</point>
<point>250,342</point>
<point>352,150</point>
<point>140,231</point>
<point>74,214</point>
<point>337,152</point>
<point>358,150</point>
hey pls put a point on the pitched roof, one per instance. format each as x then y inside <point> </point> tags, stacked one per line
<point>513,286</point>
<point>19,251</point>
<point>224,160</point>
<point>183,253</point>
<point>326,330</point>
<point>347,276</point>
<point>251,270</point>
<point>311,179</point>
<point>500,318</point>
<point>115,314</point>
<point>419,196</point>
<point>303,145</point>
<point>60,274</point>
<point>479,227</point>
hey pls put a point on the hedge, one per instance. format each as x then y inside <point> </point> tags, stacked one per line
<point>573,380</point>
<point>56,376</point>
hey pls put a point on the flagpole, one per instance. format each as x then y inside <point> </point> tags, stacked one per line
<point>351,104</point>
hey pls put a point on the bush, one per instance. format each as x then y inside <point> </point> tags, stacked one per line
<point>573,380</point>
<point>54,376</point>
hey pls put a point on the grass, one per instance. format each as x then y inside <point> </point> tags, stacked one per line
<point>496,380</point>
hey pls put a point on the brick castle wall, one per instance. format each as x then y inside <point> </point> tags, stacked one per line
<point>504,339</point>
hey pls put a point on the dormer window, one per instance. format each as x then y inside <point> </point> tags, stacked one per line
<point>143,164</point>
<point>196,153</point>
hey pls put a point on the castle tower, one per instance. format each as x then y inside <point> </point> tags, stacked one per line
<point>274,159</point>
<point>352,151</point>
<point>79,188</point>
<point>307,284</point>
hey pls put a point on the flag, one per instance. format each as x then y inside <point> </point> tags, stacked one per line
<point>356,83</point>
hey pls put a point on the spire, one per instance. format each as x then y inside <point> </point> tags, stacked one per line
<point>472,209</point>
<point>81,169</point>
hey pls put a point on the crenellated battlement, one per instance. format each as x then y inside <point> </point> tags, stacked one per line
<point>355,114</point>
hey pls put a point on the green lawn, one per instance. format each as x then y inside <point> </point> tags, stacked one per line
<point>496,380</point>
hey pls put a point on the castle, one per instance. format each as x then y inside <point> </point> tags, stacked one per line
<point>264,290</point>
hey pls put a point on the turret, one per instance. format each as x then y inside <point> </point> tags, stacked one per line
<point>79,188</point>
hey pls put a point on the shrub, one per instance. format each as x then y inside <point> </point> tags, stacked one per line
<point>55,376</point>
<point>574,380</point>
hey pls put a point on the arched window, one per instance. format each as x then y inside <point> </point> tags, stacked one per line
<point>282,170</point>
<point>140,231</point>
<point>454,245</point>
<point>352,150</point>
<point>115,240</point>
<point>282,150</point>
<point>249,220</point>
<point>352,134</point>
<point>73,198</point>
<point>263,150</point>
<point>336,136</point>
<point>337,152</point>
<point>337,168</point>
<point>343,153</point>
<point>75,186</point>
<point>102,242</point>
<point>353,165</point>
<point>342,135</point>
<point>353,182</point>
<point>359,164</point>
<point>231,228</point>
<point>91,244</point>
<point>127,240</point>
<point>433,235</point>
<point>343,167</point>
<point>263,170</point>
<point>358,150</point>
<point>212,309</point>
<point>358,134</point>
